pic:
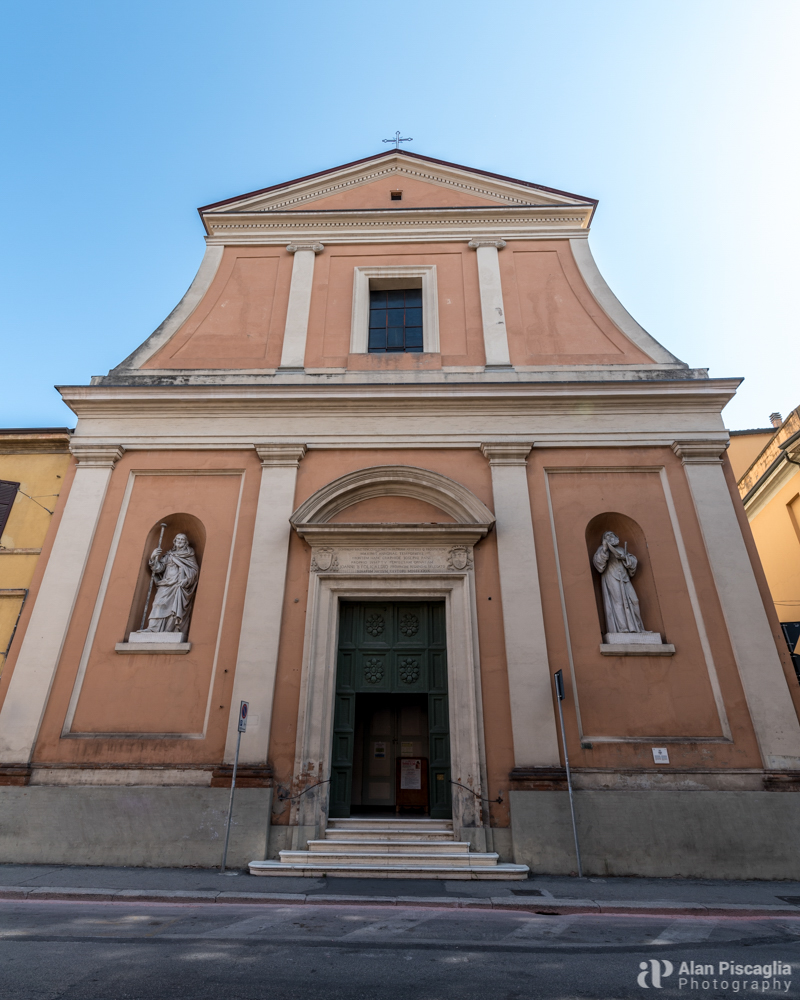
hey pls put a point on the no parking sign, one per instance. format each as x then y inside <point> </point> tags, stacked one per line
<point>243,716</point>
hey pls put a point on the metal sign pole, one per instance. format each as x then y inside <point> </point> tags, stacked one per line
<point>558,677</point>
<point>242,728</point>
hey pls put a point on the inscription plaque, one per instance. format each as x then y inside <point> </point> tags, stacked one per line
<point>392,559</point>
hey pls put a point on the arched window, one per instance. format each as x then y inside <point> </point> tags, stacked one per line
<point>195,532</point>
<point>630,533</point>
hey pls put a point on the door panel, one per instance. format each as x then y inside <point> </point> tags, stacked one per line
<point>388,648</point>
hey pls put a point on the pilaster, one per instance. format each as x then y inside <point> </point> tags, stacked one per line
<point>768,699</point>
<point>29,688</point>
<point>495,335</point>
<point>257,660</point>
<point>530,684</point>
<point>293,353</point>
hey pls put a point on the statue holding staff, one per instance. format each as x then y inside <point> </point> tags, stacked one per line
<point>616,566</point>
<point>175,576</point>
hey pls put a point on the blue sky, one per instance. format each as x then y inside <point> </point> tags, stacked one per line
<point>120,118</point>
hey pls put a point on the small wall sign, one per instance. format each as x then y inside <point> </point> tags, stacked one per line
<point>380,751</point>
<point>660,755</point>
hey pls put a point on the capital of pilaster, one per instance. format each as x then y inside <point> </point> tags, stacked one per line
<point>97,456</point>
<point>315,247</point>
<point>699,452</point>
<point>478,242</point>
<point>505,453</point>
<point>274,455</point>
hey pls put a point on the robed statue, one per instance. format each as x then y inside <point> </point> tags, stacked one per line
<point>616,566</point>
<point>175,577</point>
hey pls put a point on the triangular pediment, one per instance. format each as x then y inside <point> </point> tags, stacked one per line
<point>367,184</point>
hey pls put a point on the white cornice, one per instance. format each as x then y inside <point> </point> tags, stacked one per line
<point>399,225</point>
<point>380,535</point>
<point>266,397</point>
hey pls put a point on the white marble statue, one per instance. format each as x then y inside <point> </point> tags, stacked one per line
<point>175,577</point>
<point>616,566</point>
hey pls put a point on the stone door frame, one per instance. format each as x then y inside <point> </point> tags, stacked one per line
<point>318,689</point>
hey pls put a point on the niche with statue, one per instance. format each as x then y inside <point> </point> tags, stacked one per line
<point>627,601</point>
<point>163,600</point>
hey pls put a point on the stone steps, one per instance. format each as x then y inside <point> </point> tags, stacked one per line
<point>389,847</point>
<point>408,857</point>
<point>361,823</point>
<point>433,847</point>
<point>450,872</point>
<point>392,836</point>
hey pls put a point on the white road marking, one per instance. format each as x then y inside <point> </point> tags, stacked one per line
<point>245,928</point>
<point>542,927</point>
<point>389,925</point>
<point>679,931</point>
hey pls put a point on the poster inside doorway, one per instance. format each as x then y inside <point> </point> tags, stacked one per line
<point>411,772</point>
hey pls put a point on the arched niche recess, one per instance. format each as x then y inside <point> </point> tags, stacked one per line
<point>175,524</point>
<point>627,530</point>
<point>432,488</point>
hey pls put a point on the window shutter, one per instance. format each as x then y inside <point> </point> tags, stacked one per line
<point>8,493</point>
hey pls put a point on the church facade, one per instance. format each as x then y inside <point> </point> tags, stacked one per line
<point>398,457</point>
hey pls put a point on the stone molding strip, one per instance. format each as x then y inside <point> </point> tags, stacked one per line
<point>314,247</point>
<point>537,904</point>
<point>699,452</point>
<point>274,455</point>
<point>98,456</point>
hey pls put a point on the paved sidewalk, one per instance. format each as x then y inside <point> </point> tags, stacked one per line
<point>540,893</point>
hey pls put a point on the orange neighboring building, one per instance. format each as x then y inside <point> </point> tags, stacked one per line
<point>397,417</point>
<point>766,463</point>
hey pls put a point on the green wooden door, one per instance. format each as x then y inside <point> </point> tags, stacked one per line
<point>391,648</point>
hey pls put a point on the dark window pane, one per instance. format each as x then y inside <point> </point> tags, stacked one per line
<point>395,321</point>
<point>394,340</point>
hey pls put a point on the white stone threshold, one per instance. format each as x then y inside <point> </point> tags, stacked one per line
<point>306,870</point>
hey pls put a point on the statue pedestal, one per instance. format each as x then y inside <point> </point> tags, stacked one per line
<point>632,638</point>
<point>153,638</point>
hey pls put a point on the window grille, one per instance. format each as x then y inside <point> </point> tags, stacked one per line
<point>395,321</point>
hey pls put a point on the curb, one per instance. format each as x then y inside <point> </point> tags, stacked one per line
<point>539,905</point>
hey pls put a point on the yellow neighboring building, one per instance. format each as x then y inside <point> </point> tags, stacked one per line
<point>766,463</point>
<point>33,464</point>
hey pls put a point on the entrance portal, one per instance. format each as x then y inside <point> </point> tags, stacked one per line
<point>391,724</point>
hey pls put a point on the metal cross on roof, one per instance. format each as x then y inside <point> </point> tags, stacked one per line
<point>397,140</point>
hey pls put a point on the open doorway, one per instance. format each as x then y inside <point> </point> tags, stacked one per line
<point>390,755</point>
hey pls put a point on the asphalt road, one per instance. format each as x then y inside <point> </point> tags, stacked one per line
<point>117,951</point>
